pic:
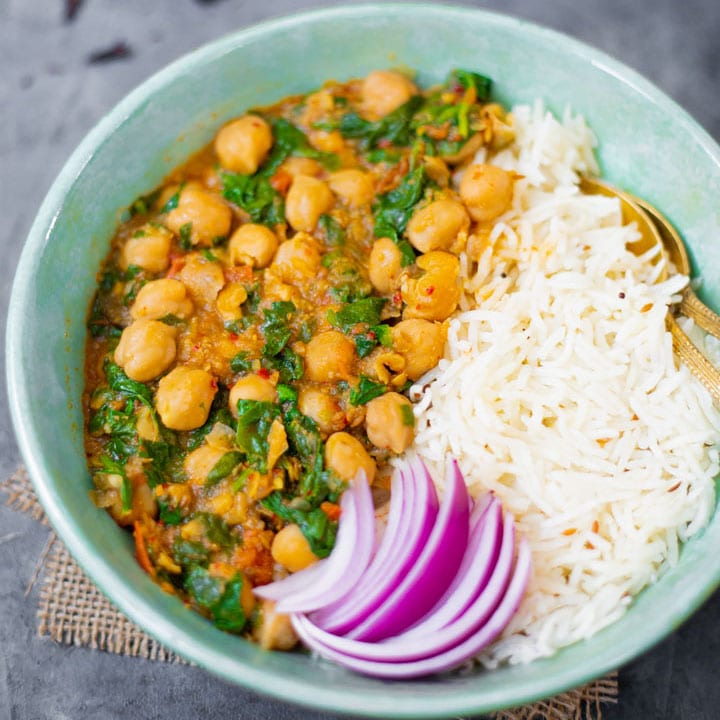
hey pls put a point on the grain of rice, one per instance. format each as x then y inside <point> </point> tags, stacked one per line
<point>575,413</point>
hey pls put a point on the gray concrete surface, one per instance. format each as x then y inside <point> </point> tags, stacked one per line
<point>49,98</point>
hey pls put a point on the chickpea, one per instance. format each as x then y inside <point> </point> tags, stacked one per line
<point>209,217</point>
<point>146,349</point>
<point>275,631</point>
<point>487,191</point>
<point>385,266</point>
<point>184,397</point>
<point>329,356</point>
<point>291,549</point>
<point>295,166</point>
<point>297,259</point>
<point>421,343</point>
<point>435,295</point>
<point>159,298</point>
<point>148,249</point>
<point>345,455</point>
<point>202,277</point>
<point>438,225</point>
<point>307,199</point>
<point>322,408</point>
<point>253,245</point>
<point>389,422</point>
<point>251,387</point>
<point>230,300</point>
<point>355,187</point>
<point>383,91</point>
<point>243,144</point>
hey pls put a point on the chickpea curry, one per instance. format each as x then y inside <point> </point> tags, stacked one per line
<point>260,317</point>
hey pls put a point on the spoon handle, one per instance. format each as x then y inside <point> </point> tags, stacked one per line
<point>692,307</point>
<point>697,363</point>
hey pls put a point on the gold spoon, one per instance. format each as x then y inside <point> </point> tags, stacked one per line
<point>691,306</point>
<point>656,231</point>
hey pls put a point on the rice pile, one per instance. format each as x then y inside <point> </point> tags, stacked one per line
<point>573,411</point>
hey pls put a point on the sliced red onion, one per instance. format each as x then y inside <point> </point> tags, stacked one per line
<point>333,576</point>
<point>417,645</point>
<point>418,515</point>
<point>442,661</point>
<point>434,569</point>
<point>350,556</point>
<point>475,570</point>
<point>389,538</point>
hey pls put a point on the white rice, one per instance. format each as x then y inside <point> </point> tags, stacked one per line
<point>573,410</point>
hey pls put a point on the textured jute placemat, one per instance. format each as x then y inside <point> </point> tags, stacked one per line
<point>72,611</point>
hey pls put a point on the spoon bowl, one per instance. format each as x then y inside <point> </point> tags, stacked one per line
<point>656,231</point>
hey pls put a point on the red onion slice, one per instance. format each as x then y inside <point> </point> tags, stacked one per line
<point>418,515</point>
<point>415,646</point>
<point>475,570</point>
<point>350,556</point>
<point>443,661</point>
<point>357,499</point>
<point>435,567</point>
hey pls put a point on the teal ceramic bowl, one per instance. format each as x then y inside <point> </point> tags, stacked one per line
<point>647,144</point>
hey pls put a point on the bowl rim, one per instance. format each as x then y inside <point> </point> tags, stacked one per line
<point>103,574</point>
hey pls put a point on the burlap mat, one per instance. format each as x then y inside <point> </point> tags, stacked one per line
<point>72,611</point>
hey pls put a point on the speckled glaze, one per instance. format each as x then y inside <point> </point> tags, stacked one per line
<point>647,144</point>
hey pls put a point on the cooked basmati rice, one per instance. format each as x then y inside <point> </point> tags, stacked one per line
<point>573,410</point>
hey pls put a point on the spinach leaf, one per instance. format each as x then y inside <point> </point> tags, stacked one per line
<point>288,363</point>
<point>144,204</point>
<point>166,464</point>
<point>120,382</point>
<point>468,79</point>
<point>290,140</point>
<point>241,363</point>
<point>275,327</point>
<point>334,232</point>
<point>255,195</point>
<point>185,232</point>
<point>366,390</point>
<point>394,208</point>
<point>408,417</point>
<point>189,552</point>
<point>113,467</point>
<point>223,467</point>
<point>172,203</point>
<point>216,529</point>
<point>169,515</point>
<point>395,128</point>
<point>218,413</point>
<point>253,425</point>
<point>303,437</point>
<point>315,525</point>
<point>219,596</point>
<point>286,393</point>
<point>366,310</point>
<point>347,282</point>
<point>376,335</point>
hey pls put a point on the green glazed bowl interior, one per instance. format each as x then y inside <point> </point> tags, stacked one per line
<point>646,144</point>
